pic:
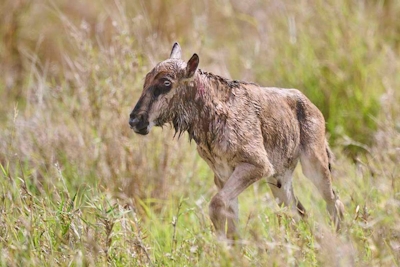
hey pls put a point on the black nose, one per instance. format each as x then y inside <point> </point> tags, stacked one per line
<point>139,123</point>
<point>133,121</point>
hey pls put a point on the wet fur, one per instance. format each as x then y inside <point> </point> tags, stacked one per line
<point>244,132</point>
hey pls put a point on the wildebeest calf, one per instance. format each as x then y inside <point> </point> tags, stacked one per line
<point>242,130</point>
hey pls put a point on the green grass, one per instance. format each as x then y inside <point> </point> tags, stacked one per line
<point>58,224</point>
<point>78,188</point>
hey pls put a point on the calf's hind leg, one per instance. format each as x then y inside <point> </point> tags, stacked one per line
<point>315,165</point>
<point>282,189</point>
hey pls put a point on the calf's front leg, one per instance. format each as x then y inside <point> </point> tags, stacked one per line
<point>233,210</point>
<point>222,206</point>
<point>232,220</point>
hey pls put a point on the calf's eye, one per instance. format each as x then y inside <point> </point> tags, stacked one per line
<point>162,87</point>
<point>167,83</point>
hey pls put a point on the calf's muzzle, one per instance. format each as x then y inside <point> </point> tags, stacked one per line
<point>139,123</point>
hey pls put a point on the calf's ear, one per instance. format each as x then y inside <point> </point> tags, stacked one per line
<point>176,51</point>
<point>192,65</point>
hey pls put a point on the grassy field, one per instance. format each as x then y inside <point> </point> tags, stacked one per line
<point>79,188</point>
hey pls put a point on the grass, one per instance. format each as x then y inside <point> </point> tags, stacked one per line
<point>77,187</point>
<point>56,225</point>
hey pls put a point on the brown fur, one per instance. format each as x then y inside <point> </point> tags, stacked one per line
<point>243,131</point>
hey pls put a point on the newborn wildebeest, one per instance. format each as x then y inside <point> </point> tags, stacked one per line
<point>242,130</point>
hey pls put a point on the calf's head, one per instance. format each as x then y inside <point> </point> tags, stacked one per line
<point>160,86</point>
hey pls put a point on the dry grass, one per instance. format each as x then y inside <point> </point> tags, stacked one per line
<point>80,188</point>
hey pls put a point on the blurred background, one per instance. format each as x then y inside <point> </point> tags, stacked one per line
<point>71,72</point>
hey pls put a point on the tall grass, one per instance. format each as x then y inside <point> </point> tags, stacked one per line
<point>78,187</point>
